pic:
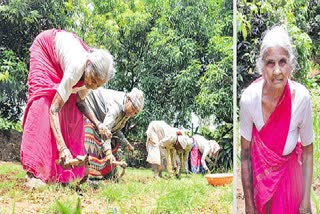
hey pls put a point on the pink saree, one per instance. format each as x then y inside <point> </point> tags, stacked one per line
<point>38,148</point>
<point>277,179</point>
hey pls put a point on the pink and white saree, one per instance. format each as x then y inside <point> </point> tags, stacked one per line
<point>277,179</point>
<point>38,148</point>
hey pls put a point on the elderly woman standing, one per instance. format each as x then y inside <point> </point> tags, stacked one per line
<point>112,109</point>
<point>201,149</point>
<point>275,116</point>
<point>62,70</point>
<point>163,143</point>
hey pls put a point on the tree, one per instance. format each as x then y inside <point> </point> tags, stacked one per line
<point>20,22</point>
<point>178,52</point>
<point>255,17</point>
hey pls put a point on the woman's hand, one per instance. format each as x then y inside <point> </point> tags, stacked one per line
<point>109,157</point>
<point>130,148</point>
<point>305,207</point>
<point>104,132</point>
<point>65,157</point>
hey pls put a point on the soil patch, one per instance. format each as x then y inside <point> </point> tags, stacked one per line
<point>10,142</point>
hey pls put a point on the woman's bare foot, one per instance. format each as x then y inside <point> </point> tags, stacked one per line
<point>33,182</point>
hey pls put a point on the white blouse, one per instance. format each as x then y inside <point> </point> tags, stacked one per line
<point>301,116</point>
<point>165,134</point>
<point>203,146</point>
<point>71,56</point>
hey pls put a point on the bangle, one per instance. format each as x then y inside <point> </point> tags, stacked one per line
<point>62,149</point>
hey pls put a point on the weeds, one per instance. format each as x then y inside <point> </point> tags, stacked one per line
<point>137,192</point>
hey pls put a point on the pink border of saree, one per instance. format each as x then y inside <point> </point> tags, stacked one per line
<point>277,179</point>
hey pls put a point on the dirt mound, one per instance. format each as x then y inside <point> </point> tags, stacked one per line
<point>10,142</point>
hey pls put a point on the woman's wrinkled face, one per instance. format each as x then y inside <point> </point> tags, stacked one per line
<point>91,79</point>
<point>130,109</point>
<point>276,68</point>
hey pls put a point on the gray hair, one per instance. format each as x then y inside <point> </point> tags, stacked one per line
<point>137,98</point>
<point>102,63</point>
<point>277,36</point>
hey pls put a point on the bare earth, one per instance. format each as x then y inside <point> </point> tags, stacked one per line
<point>32,201</point>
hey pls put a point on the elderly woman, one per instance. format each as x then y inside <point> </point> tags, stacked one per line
<point>62,70</point>
<point>276,133</point>
<point>163,144</point>
<point>201,149</point>
<point>112,109</point>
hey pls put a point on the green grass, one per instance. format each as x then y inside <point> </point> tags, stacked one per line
<point>316,128</point>
<point>316,146</point>
<point>136,192</point>
<point>315,95</point>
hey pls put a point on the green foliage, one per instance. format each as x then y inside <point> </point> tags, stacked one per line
<point>315,200</point>
<point>13,73</point>
<point>138,157</point>
<point>215,95</point>
<point>20,22</point>
<point>8,125</point>
<point>255,17</point>
<point>224,137</point>
<point>178,52</point>
<point>315,98</point>
<point>65,209</point>
<point>164,48</point>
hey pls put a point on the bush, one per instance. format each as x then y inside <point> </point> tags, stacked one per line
<point>224,137</point>
<point>13,75</point>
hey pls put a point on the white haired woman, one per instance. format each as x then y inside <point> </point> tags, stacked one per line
<point>62,70</point>
<point>112,109</point>
<point>276,133</point>
<point>163,144</point>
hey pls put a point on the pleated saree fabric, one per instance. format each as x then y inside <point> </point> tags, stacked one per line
<point>277,179</point>
<point>39,149</point>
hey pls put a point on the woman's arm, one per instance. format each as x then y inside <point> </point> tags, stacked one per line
<point>56,105</point>
<point>205,153</point>
<point>86,111</point>
<point>307,167</point>
<point>123,140</point>
<point>246,175</point>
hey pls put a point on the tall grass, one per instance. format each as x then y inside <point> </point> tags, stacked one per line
<point>316,128</point>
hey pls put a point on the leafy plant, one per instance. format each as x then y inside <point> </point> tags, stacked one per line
<point>255,17</point>
<point>20,22</point>
<point>223,135</point>
<point>65,209</point>
<point>12,85</point>
<point>8,125</point>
